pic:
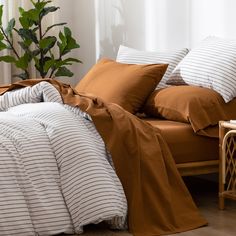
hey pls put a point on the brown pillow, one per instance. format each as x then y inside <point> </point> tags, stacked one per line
<point>201,107</point>
<point>127,85</point>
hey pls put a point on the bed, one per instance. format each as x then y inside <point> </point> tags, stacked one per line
<point>193,154</point>
<point>53,158</point>
<point>209,65</point>
<point>143,158</point>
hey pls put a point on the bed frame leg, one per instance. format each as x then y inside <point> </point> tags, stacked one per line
<point>221,184</point>
<point>221,203</point>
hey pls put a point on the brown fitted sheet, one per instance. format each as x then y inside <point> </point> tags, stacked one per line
<point>184,144</point>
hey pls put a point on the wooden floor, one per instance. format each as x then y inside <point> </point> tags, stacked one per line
<point>204,192</point>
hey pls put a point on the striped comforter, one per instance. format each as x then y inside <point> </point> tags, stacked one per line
<point>55,173</point>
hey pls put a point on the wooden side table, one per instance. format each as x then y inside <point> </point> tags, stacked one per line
<point>227,167</point>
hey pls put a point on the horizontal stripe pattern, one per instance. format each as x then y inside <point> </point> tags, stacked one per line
<point>38,93</point>
<point>55,173</point>
<point>133,56</point>
<point>212,64</point>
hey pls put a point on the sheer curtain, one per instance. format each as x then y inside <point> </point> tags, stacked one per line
<point>10,10</point>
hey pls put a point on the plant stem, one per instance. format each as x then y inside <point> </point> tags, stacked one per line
<point>41,60</point>
<point>51,74</point>
<point>54,69</point>
<point>10,43</point>
<point>12,48</point>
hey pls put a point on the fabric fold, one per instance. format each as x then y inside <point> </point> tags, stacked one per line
<point>158,201</point>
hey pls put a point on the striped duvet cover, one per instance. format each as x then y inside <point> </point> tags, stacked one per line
<point>55,173</point>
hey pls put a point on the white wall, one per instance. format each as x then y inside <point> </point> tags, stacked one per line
<point>80,17</point>
<point>102,25</point>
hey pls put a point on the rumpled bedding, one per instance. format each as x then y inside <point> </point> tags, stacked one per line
<point>55,173</point>
<point>158,200</point>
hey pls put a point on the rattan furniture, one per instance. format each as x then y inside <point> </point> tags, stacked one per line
<point>227,167</point>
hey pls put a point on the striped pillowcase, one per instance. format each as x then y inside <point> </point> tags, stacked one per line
<point>212,64</point>
<point>132,56</point>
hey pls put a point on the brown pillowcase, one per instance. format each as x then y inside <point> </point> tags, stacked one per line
<point>201,107</point>
<point>127,85</point>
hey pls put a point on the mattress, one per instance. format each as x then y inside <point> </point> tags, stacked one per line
<point>184,144</point>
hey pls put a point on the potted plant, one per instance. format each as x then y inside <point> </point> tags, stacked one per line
<point>48,53</point>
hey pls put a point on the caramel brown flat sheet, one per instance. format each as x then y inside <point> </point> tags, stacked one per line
<point>158,201</point>
<point>184,144</point>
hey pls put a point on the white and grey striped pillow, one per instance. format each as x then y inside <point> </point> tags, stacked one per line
<point>212,64</point>
<point>133,56</point>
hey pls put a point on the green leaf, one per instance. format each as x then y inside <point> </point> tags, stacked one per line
<point>62,38</point>
<point>67,42</point>
<point>67,61</point>
<point>47,10</point>
<point>63,43</point>
<point>23,45</point>
<point>70,41</point>
<point>1,12</point>
<point>72,44</point>
<point>49,64</point>
<point>28,34</point>
<point>36,61</point>
<point>40,5</point>
<point>21,10</point>
<point>22,76</point>
<point>8,59</point>
<point>2,46</point>
<point>1,36</point>
<point>67,32</point>
<point>47,43</point>
<point>35,52</point>
<point>23,62</point>
<point>24,22</point>
<point>26,19</point>
<point>33,15</point>
<point>63,71</point>
<point>10,26</point>
<point>72,60</point>
<point>52,26</point>
<point>33,2</point>
<point>31,54</point>
<point>42,62</point>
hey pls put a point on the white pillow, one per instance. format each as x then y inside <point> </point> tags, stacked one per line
<point>133,56</point>
<point>212,64</point>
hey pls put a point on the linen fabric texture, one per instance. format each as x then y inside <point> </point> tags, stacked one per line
<point>124,84</point>
<point>133,56</point>
<point>212,64</point>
